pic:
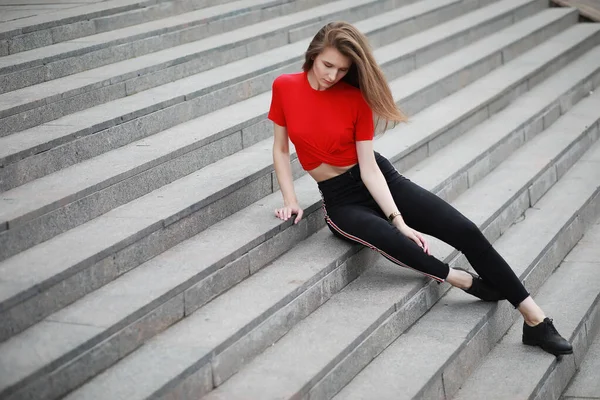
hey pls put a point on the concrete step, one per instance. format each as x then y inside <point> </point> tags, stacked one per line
<point>585,384</point>
<point>63,59</point>
<point>247,176</point>
<point>314,280</point>
<point>90,20</point>
<point>107,76</point>
<point>507,130</point>
<point>245,333</point>
<point>418,90</point>
<point>572,298</point>
<point>213,25</point>
<point>216,271</point>
<point>323,351</point>
<point>441,351</point>
<point>32,106</point>
<point>232,345</point>
<point>13,10</point>
<point>51,20</point>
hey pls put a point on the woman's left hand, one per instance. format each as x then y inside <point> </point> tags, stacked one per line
<point>414,235</point>
<point>424,243</point>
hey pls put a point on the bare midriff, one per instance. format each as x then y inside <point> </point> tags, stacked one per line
<point>326,171</point>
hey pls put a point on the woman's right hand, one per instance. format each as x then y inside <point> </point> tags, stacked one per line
<point>286,212</point>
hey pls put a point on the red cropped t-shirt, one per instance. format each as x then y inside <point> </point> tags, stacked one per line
<point>324,126</point>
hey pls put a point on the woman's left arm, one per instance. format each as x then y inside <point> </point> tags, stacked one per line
<point>375,182</point>
<point>373,178</point>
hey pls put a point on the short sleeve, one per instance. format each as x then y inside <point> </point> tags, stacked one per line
<point>364,127</point>
<point>276,111</point>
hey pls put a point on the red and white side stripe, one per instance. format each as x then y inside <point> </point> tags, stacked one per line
<point>369,245</point>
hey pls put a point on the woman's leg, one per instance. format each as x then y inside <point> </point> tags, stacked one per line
<point>365,225</point>
<point>427,213</point>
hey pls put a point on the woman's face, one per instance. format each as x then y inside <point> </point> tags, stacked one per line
<point>330,66</point>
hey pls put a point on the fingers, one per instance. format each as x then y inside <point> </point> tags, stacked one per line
<point>418,239</point>
<point>424,243</point>
<point>285,213</point>
<point>299,216</point>
<point>280,213</point>
<point>415,239</point>
<point>422,240</point>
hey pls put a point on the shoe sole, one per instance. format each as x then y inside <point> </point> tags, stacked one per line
<point>556,353</point>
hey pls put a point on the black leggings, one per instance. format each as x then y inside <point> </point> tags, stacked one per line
<point>352,214</point>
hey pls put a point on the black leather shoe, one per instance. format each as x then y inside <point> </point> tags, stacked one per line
<point>482,290</point>
<point>547,337</point>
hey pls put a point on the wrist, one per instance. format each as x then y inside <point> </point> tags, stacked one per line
<point>393,215</point>
<point>398,222</point>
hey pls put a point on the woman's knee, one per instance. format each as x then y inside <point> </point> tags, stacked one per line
<point>471,237</point>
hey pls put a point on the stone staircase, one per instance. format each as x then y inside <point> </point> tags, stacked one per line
<point>139,254</point>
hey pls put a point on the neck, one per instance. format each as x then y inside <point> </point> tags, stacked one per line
<point>313,81</point>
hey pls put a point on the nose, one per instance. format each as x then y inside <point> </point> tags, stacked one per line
<point>331,76</point>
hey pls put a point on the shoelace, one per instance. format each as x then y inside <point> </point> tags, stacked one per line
<point>551,325</point>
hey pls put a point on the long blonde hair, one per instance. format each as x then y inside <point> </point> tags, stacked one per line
<point>364,72</point>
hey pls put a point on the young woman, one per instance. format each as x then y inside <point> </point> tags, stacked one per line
<point>327,112</point>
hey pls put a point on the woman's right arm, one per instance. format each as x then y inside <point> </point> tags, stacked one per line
<point>283,170</point>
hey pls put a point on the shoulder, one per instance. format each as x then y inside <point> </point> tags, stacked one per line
<point>350,91</point>
<point>285,80</point>
<point>355,96</point>
<point>347,88</point>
